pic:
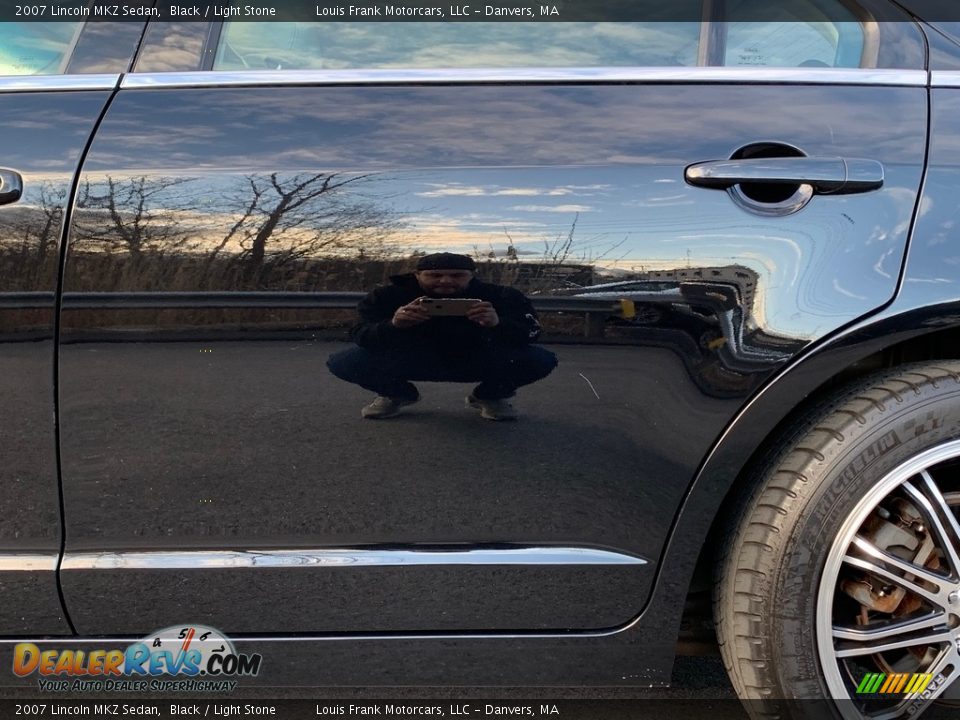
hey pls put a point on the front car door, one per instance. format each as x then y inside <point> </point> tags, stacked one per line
<point>55,80</point>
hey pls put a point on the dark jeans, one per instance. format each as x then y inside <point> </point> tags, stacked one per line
<point>499,370</point>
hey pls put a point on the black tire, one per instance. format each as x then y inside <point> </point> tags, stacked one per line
<point>766,597</point>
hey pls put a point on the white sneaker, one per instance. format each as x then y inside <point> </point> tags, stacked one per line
<point>384,407</point>
<point>493,409</point>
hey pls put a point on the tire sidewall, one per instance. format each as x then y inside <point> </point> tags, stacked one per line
<point>841,479</point>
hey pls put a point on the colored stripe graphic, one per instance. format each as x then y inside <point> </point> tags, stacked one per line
<point>922,683</point>
<point>891,682</point>
<point>871,683</point>
<point>864,684</point>
<point>897,683</point>
<point>904,677</point>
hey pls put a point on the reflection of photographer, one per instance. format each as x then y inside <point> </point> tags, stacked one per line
<point>441,324</point>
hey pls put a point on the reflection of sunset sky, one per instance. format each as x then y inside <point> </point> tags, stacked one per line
<point>477,168</point>
<point>472,211</point>
<point>627,219</point>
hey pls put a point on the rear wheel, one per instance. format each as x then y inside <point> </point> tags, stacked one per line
<point>841,582</point>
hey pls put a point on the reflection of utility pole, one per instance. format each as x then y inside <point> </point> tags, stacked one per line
<point>688,257</point>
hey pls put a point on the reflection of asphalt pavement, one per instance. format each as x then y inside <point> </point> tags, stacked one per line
<point>265,425</point>
<point>169,413</point>
<point>255,444</point>
<point>158,414</point>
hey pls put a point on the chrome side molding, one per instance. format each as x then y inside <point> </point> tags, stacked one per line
<point>344,558</point>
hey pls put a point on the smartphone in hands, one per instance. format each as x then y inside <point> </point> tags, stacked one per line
<point>448,306</point>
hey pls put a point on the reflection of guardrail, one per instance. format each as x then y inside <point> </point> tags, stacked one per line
<point>252,299</point>
<point>594,309</point>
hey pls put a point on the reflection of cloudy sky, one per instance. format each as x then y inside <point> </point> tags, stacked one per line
<point>440,232</point>
<point>483,126</point>
<point>324,45</point>
<point>172,46</point>
<point>553,208</point>
<point>477,167</point>
<point>469,208</point>
<point>34,48</point>
<point>455,189</point>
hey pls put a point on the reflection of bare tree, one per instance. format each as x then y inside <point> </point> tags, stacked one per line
<point>52,201</point>
<point>30,236</point>
<point>287,219</point>
<point>180,233</point>
<point>566,261</point>
<point>133,216</point>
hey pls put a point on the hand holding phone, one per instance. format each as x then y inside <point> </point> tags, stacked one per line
<point>484,315</point>
<point>449,306</point>
<point>410,314</point>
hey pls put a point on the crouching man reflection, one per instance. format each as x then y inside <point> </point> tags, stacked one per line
<point>400,340</point>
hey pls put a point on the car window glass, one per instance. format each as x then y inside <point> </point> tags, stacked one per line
<point>105,47</point>
<point>172,47</point>
<point>299,45</point>
<point>36,48</point>
<point>950,29</point>
<point>802,34</point>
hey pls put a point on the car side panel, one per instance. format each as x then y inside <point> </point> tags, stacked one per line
<point>191,428</point>
<point>43,136</point>
<point>925,306</point>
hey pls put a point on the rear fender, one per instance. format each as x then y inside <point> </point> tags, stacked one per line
<point>726,471</point>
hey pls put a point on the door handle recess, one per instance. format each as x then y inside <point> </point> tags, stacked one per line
<point>827,176</point>
<point>11,186</point>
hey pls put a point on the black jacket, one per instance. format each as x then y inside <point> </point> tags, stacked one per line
<point>518,321</point>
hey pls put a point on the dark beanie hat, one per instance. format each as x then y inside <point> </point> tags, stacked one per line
<point>446,261</point>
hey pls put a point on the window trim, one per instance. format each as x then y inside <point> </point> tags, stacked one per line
<point>945,79</point>
<point>44,83</point>
<point>471,76</point>
<point>71,48</point>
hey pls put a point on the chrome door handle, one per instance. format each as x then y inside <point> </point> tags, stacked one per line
<point>827,176</point>
<point>11,186</point>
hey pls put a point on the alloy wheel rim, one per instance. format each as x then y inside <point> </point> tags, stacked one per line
<point>897,557</point>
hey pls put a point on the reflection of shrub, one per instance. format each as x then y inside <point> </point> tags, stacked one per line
<point>566,261</point>
<point>322,323</point>
<point>115,273</point>
<point>156,272</point>
<point>23,271</point>
<point>319,323</point>
<point>106,273</point>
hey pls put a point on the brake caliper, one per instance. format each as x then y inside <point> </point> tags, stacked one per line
<point>899,531</point>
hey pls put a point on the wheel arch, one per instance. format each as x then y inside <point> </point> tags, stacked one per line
<point>729,472</point>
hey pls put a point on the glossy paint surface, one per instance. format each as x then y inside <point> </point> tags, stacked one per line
<point>932,273</point>
<point>43,137</point>
<point>171,461</point>
<point>221,429</point>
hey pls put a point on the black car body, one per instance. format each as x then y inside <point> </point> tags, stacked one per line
<point>197,221</point>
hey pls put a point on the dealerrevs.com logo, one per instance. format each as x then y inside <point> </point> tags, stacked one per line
<point>197,658</point>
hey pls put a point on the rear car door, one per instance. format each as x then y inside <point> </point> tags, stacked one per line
<point>250,182</point>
